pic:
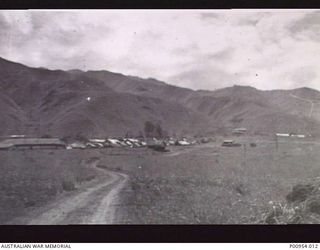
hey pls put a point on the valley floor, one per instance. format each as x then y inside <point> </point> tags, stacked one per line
<point>203,184</point>
<point>210,184</point>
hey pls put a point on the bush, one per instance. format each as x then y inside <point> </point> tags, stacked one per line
<point>300,193</point>
<point>68,185</point>
<point>79,138</point>
<point>313,205</point>
<point>159,148</point>
<point>204,140</point>
<point>279,213</point>
<point>302,206</point>
<point>29,203</point>
<point>92,160</point>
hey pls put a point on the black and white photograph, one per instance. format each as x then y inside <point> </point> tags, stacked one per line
<point>177,117</point>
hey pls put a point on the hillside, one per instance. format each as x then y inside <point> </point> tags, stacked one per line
<point>262,112</point>
<point>38,101</point>
<point>259,111</point>
<point>142,87</point>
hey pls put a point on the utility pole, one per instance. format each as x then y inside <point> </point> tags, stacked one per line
<point>245,154</point>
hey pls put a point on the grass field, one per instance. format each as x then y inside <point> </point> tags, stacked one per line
<point>203,184</point>
<point>31,178</point>
<point>210,184</point>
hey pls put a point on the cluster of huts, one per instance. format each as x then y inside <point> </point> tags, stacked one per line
<point>129,142</point>
<point>22,142</point>
<point>105,143</point>
<point>292,135</point>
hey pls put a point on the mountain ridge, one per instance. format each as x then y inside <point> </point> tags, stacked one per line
<point>41,101</point>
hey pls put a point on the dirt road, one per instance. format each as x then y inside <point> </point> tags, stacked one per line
<point>93,203</point>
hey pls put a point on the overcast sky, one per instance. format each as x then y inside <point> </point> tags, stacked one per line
<point>194,49</point>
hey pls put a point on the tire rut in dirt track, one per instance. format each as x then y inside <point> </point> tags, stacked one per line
<point>94,205</point>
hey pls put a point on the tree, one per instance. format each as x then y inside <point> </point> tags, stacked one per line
<point>81,138</point>
<point>158,131</point>
<point>128,134</point>
<point>149,129</point>
<point>140,135</point>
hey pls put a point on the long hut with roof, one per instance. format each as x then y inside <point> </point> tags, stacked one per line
<point>32,143</point>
